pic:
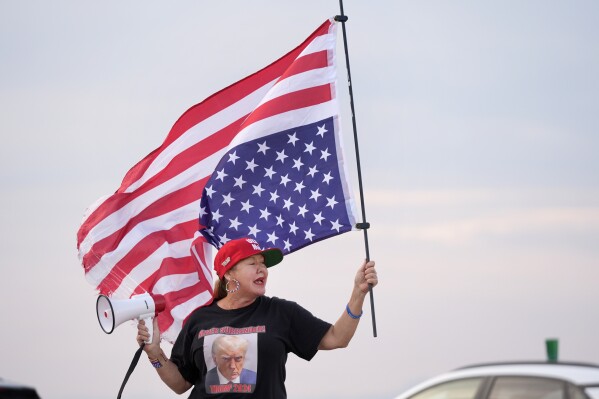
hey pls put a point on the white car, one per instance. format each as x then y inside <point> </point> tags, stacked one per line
<point>519,380</point>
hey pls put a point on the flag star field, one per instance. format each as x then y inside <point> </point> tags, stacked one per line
<point>284,190</point>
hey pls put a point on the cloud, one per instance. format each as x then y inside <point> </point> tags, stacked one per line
<point>512,223</point>
<point>459,216</point>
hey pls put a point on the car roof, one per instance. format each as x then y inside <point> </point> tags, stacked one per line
<point>577,373</point>
<point>582,374</point>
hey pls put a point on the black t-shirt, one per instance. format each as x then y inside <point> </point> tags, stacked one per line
<point>273,327</point>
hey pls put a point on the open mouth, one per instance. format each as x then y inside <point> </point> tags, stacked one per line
<point>260,281</point>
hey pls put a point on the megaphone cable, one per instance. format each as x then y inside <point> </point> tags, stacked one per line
<point>131,368</point>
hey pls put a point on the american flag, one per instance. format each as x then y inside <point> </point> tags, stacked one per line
<point>145,238</point>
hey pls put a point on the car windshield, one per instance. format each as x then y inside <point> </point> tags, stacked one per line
<point>460,389</point>
<point>527,388</point>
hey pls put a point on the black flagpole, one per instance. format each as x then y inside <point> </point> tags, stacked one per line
<point>364,226</point>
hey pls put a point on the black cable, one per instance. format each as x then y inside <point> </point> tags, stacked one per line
<point>131,368</point>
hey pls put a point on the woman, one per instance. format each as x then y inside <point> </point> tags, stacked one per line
<point>273,327</point>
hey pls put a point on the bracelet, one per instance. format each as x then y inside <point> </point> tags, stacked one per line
<point>156,362</point>
<point>353,316</point>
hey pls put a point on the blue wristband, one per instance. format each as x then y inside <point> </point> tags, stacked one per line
<point>353,316</point>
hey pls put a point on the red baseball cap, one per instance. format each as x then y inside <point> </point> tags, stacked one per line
<point>235,250</point>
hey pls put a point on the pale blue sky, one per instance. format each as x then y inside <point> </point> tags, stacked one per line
<point>478,135</point>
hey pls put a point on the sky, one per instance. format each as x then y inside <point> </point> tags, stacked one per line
<point>478,135</point>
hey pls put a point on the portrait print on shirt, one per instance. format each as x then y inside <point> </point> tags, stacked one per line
<point>231,363</point>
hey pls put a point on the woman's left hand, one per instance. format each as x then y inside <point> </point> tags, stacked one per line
<point>366,275</point>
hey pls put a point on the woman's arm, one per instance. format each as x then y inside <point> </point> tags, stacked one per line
<point>343,330</point>
<point>168,372</point>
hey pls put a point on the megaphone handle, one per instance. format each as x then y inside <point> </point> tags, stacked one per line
<point>150,325</point>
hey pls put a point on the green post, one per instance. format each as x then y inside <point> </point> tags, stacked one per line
<point>551,345</point>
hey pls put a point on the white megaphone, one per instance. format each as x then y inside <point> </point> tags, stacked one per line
<point>112,313</point>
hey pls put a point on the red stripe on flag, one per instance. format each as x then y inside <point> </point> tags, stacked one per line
<point>291,101</point>
<point>168,266</point>
<point>175,298</point>
<point>307,63</point>
<point>142,250</point>
<point>168,203</point>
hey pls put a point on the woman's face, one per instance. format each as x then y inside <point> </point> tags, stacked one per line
<point>252,275</point>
